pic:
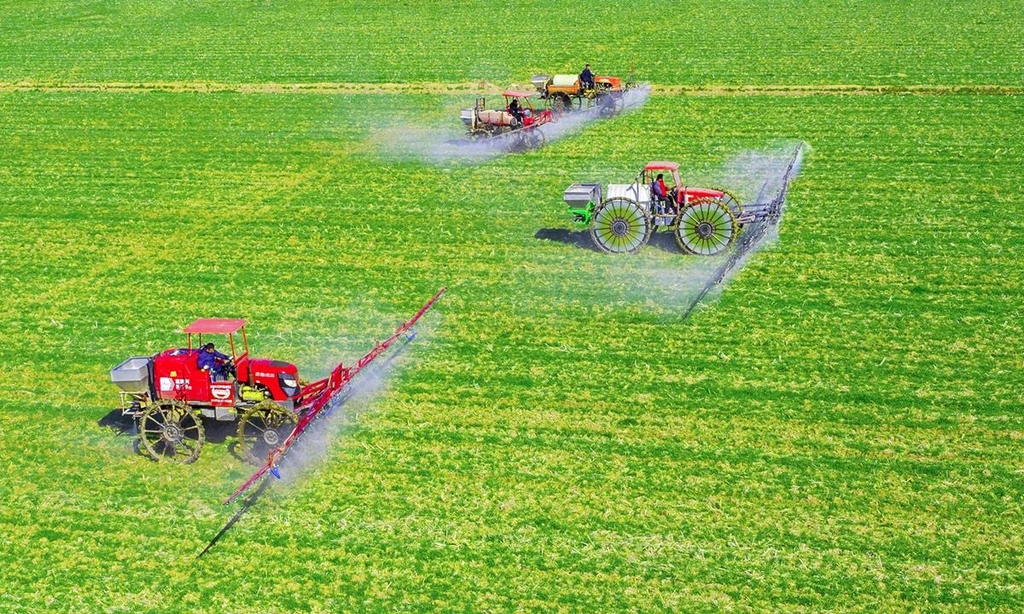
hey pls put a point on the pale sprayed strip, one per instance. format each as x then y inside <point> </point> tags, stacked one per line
<point>491,88</point>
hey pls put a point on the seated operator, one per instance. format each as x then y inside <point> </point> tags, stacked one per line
<point>587,78</point>
<point>659,193</point>
<point>516,111</point>
<point>213,361</point>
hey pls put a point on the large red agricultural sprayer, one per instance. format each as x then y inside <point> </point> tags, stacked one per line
<point>171,393</point>
<point>517,123</point>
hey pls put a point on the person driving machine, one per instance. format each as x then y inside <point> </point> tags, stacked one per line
<point>660,194</point>
<point>213,361</point>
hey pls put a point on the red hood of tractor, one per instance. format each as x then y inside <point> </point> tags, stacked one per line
<point>271,366</point>
<point>703,193</point>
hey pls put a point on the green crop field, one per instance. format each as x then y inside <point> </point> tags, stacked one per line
<point>837,428</point>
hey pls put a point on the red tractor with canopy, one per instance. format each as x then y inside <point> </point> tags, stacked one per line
<point>169,394</point>
<point>518,122</point>
<point>704,221</point>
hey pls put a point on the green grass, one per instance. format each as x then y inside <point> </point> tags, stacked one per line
<point>762,42</point>
<point>837,430</point>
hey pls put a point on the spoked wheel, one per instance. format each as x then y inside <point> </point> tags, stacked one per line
<point>706,227</point>
<point>534,138</point>
<point>561,104</point>
<point>171,430</point>
<point>263,428</point>
<point>620,225</point>
<point>518,141</point>
<point>610,104</point>
<point>731,202</point>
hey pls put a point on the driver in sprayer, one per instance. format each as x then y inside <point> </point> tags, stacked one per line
<point>660,195</point>
<point>219,365</point>
<point>587,78</point>
<point>516,111</point>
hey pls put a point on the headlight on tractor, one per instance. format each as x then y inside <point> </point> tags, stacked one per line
<point>289,384</point>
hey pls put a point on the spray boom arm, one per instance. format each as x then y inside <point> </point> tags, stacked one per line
<point>764,214</point>
<point>314,398</point>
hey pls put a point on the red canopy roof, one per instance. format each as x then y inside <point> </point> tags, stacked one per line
<point>515,94</point>
<point>221,326</point>
<point>662,166</point>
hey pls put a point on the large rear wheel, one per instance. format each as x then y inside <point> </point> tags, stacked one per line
<point>171,430</point>
<point>619,226</point>
<point>706,227</point>
<point>731,202</point>
<point>263,428</point>
<point>517,142</point>
<point>534,138</point>
<point>560,103</point>
<point>610,104</point>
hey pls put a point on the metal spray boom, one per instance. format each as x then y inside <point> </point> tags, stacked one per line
<point>764,215</point>
<point>316,400</point>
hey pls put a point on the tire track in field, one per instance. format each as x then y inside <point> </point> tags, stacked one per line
<point>477,87</point>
